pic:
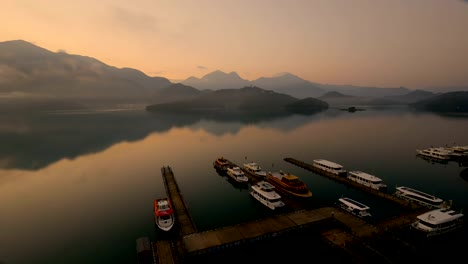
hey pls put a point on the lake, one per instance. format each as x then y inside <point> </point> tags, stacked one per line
<point>78,187</point>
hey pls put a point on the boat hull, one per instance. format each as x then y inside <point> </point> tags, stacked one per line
<point>165,223</point>
<point>287,190</point>
<point>266,203</point>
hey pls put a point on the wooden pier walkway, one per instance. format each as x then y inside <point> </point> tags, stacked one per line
<point>231,236</point>
<point>390,197</point>
<point>168,251</point>
<point>184,220</point>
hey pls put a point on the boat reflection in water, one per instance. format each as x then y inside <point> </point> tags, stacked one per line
<point>464,174</point>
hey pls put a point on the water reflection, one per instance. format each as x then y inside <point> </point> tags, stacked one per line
<point>35,141</point>
<point>464,174</point>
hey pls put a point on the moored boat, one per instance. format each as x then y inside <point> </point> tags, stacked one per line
<point>164,214</point>
<point>265,193</point>
<point>419,197</point>
<point>288,183</point>
<point>437,222</point>
<point>435,153</point>
<point>222,164</point>
<point>254,169</point>
<point>368,180</point>
<point>237,174</point>
<point>354,207</point>
<point>329,167</point>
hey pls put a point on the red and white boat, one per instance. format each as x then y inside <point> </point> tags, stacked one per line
<point>164,214</point>
<point>289,184</point>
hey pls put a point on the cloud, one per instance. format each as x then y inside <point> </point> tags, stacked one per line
<point>201,67</point>
<point>134,20</point>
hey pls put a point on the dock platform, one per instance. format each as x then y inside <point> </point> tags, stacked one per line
<point>390,197</point>
<point>343,231</point>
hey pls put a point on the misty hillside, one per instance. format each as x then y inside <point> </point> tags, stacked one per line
<point>174,92</point>
<point>247,99</point>
<point>217,80</point>
<point>290,84</point>
<point>31,70</point>
<point>363,91</point>
<point>285,83</point>
<point>412,97</point>
<point>447,102</point>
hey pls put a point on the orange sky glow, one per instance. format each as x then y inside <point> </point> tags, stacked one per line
<point>385,43</point>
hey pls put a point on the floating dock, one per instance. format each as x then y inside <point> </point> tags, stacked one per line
<point>390,197</point>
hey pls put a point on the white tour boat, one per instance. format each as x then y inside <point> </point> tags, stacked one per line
<point>254,169</point>
<point>422,198</point>
<point>354,207</point>
<point>329,166</point>
<point>438,222</point>
<point>435,153</point>
<point>368,180</point>
<point>237,174</point>
<point>265,193</point>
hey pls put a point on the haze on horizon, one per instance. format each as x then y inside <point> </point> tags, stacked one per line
<point>418,43</point>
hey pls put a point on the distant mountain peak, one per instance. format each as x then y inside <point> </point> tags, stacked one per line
<point>285,74</point>
<point>22,46</point>
<point>334,94</point>
<point>221,74</point>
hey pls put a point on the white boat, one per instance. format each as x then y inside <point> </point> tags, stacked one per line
<point>458,152</point>
<point>237,174</point>
<point>367,179</point>
<point>265,193</point>
<point>354,207</point>
<point>163,214</point>
<point>329,166</point>
<point>422,198</point>
<point>436,153</point>
<point>438,222</point>
<point>254,169</point>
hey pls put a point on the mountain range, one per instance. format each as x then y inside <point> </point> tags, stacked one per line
<point>29,73</point>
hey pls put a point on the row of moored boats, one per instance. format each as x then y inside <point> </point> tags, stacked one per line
<point>441,219</point>
<point>267,184</point>
<point>457,153</point>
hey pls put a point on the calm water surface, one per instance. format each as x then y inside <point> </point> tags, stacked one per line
<point>78,187</point>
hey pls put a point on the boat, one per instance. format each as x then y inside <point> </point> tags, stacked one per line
<point>265,193</point>
<point>330,167</point>
<point>288,183</point>
<point>237,174</point>
<point>422,198</point>
<point>458,152</point>
<point>437,222</point>
<point>222,164</point>
<point>354,207</point>
<point>164,214</point>
<point>368,180</point>
<point>254,169</point>
<point>436,153</point>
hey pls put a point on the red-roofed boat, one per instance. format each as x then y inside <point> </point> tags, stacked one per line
<point>164,214</point>
<point>289,184</point>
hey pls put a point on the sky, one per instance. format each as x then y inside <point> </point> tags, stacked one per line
<point>385,43</point>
